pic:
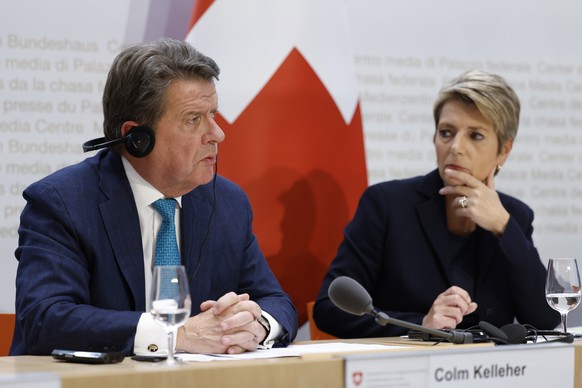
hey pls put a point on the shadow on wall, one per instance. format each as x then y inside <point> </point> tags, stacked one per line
<point>306,217</point>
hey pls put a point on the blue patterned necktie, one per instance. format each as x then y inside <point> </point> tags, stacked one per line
<point>167,252</point>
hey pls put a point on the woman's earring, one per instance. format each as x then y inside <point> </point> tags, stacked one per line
<point>497,169</point>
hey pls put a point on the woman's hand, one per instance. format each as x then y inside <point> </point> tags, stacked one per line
<point>483,205</point>
<point>449,308</point>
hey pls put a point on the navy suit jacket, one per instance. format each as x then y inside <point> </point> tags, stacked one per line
<point>80,278</point>
<point>397,244</point>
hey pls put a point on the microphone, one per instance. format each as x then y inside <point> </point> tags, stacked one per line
<point>352,297</point>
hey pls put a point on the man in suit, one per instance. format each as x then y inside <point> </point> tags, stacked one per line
<point>88,231</point>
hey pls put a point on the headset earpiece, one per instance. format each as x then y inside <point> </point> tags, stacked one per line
<point>139,141</point>
<point>516,333</point>
<point>494,332</point>
<point>511,333</point>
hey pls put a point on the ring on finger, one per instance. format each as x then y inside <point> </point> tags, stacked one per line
<point>464,201</point>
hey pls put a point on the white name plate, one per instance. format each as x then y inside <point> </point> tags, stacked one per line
<point>535,365</point>
<point>30,380</point>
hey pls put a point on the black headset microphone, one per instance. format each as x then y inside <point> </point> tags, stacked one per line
<point>139,141</point>
<point>510,334</point>
<point>515,333</point>
<point>352,297</point>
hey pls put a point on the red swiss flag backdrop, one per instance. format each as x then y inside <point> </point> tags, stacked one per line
<point>303,168</point>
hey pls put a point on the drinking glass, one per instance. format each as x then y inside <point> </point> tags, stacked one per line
<point>170,301</point>
<point>563,287</point>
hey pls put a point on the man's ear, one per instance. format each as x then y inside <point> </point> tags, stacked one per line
<point>126,126</point>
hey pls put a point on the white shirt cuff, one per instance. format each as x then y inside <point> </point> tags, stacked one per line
<point>274,334</point>
<point>150,337</point>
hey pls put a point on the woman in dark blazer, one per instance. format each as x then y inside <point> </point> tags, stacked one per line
<point>446,250</point>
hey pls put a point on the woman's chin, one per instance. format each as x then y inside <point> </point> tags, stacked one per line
<point>453,182</point>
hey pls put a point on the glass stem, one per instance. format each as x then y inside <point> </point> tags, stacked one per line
<point>564,319</point>
<point>171,346</point>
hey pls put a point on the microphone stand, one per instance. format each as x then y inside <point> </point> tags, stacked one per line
<point>456,337</point>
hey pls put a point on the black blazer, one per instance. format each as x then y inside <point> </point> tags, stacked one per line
<point>397,244</point>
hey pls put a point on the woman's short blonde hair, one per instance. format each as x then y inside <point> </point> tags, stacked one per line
<point>491,94</point>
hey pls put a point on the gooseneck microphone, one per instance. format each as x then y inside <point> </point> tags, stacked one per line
<point>352,297</point>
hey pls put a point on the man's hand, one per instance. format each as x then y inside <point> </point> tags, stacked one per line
<point>227,325</point>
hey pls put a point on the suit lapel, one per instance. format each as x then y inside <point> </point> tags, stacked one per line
<point>431,214</point>
<point>121,221</point>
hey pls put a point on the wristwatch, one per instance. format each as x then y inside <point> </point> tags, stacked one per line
<point>265,323</point>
